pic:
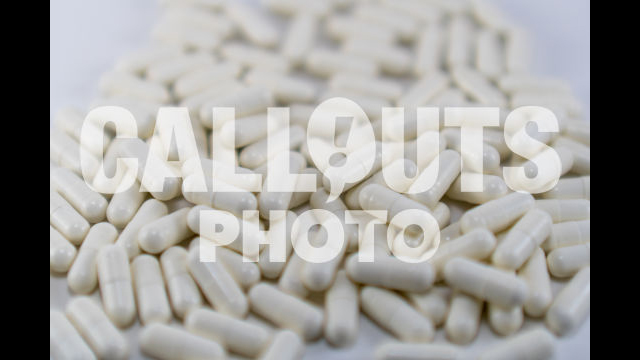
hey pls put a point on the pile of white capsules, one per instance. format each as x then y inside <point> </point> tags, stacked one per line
<point>495,262</point>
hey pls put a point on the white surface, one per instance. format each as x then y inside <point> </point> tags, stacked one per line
<point>87,36</point>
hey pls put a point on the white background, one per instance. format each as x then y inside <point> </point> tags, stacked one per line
<point>87,36</point>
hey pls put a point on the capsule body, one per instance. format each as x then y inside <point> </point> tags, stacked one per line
<point>495,286</point>
<point>183,291</point>
<point>537,344</point>
<point>124,205</point>
<point>534,272</point>
<point>568,234</point>
<point>391,273</point>
<point>150,211</point>
<point>116,287</point>
<point>237,336</point>
<point>571,188</point>
<point>566,261</point>
<point>66,219</point>
<point>398,351</point>
<point>497,215</point>
<point>433,304</point>
<point>565,210</point>
<point>217,286</point>
<point>571,306</point>
<point>83,275</point>
<point>61,252</point>
<point>493,188</point>
<point>64,340</point>
<point>286,345</point>
<point>171,343</point>
<point>286,311</point>
<point>463,321</point>
<point>522,240</point>
<point>151,296</point>
<point>95,328</point>
<point>395,315</point>
<point>342,311</point>
<point>476,244</point>
<point>448,163</point>
<point>164,232</point>
<point>90,204</point>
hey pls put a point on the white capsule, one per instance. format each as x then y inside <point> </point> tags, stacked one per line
<point>384,16</point>
<point>448,168</point>
<point>203,78</point>
<point>390,58</point>
<point>341,27</point>
<point>66,219</point>
<point>116,288</point>
<point>581,155</point>
<point>342,311</point>
<point>392,313</point>
<point>405,351</point>
<point>463,321</point>
<point>522,240</point>
<point>352,196</point>
<point>258,153</point>
<point>567,234</point>
<point>249,237</point>
<point>83,276</point>
<point>429,50</point>
<point>536,344</point>
<point>286,345</point>
<point>171,343</point>
<point>534,272</point>
<point>485,282</point>
<point>138,61</point>
<point>90,204</point>
<point>493,188</point>
<point>279,200</point>
<point>461,41</point>
<point>217,285</point>
<point>433,304</point>
<point>478,87</point>
<point>71,121</point>
<point>324,63</point>
<point>65,151</point>
<point>151,296</point>
<point>391,273</point>
<point>286,311</point>
<point>93,324</point>
<point>254,57</point>
<point>567,261</point>
<point>246,102</point>
<point>124,84</point>
<point>570,188</point>
<point>61,252</point>
<point>214,23</point>
<point>490,156</point>
<point>489,54</point>
<point>64,340</point>
<point>476,244</point>
<point>301,36</point>
<point>164,232</point>
<point>517,51</point>
<point>212,91</point>
<point>505,321</point>
<point>245,273</point>
<point>497,215</point>
<point>124,205</point>
<point>150,211</point>
<point>253,24</point>
<point>144,112</point>
<point>183,291</point>
<point>224,196</point>
<point>237,336</point>
<point>571,306</point>
<point>291,281</point>
<point>377,87</point>
<point>285,88</point>
<point>378,197</point>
